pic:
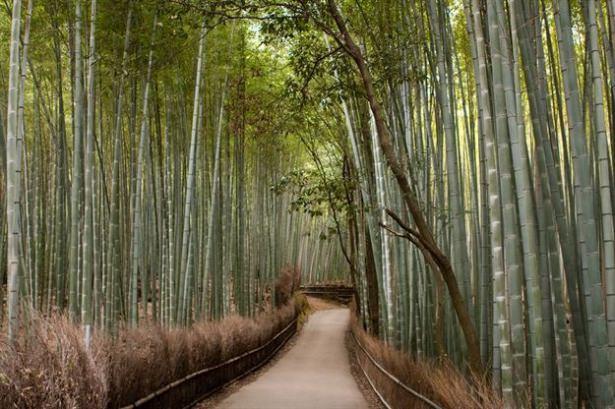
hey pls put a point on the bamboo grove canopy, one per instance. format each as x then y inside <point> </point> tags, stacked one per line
<point>453,160</point>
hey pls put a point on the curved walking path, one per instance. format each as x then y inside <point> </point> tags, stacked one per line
<point>315,373</point>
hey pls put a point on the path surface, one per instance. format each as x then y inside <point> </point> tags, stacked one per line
<point>314,374</point>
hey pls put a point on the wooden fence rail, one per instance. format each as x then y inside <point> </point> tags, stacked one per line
<point>421,400</point>
<point>188,391</point>
<point>335,292</point>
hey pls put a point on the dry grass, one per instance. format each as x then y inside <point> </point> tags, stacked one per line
<point>304,308</point>
<point>440,381</point>
<point>287,283</point>
<point>49,367</point>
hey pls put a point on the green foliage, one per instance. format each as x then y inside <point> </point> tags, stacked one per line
<point>313,192</point>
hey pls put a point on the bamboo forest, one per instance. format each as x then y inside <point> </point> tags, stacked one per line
<point>382,203</point>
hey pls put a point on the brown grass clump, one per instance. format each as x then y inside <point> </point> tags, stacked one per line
<point>49,367</point>
<point>440,381</point>
<point>304,308</point>
<point>134,350</point>
<point>287,283</point>
<point>148,358</point>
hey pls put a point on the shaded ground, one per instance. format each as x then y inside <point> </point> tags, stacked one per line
<point>315,373</point>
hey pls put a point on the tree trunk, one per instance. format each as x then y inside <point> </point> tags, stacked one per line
<point>400,175</point>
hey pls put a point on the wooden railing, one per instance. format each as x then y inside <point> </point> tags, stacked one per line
<point>340,293</point>
<point>186,392</point>
<point>367,362</point>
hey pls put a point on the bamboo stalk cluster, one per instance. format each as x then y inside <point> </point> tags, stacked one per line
<point>133,204</point>
<point>497,130</point>
<point>476,153</point>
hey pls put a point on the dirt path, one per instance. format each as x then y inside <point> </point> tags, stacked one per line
<point>315,373</point>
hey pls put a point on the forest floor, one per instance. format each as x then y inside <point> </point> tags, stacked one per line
<point>314,373</point>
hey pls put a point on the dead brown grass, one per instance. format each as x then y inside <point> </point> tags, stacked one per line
<point>440,381</point>
<point>49,367</point>
<point>287,283</point>
<point>304,308</point>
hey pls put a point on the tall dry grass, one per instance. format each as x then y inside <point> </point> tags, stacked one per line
<point>50,367</point>
<point>287,284</point>
<point>440,381</point>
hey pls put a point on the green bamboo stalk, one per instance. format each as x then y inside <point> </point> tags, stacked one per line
<point>137,216</point>
<point>77,174</point>
<point>13,178</point>
<point>584,206</point>
<point>87,307</point>
<point>184,284</point>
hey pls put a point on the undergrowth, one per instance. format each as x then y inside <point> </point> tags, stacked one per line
<point>440,381</point>
<point>287,284</point>
<point>50,367</point>
<point>304,309</point>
